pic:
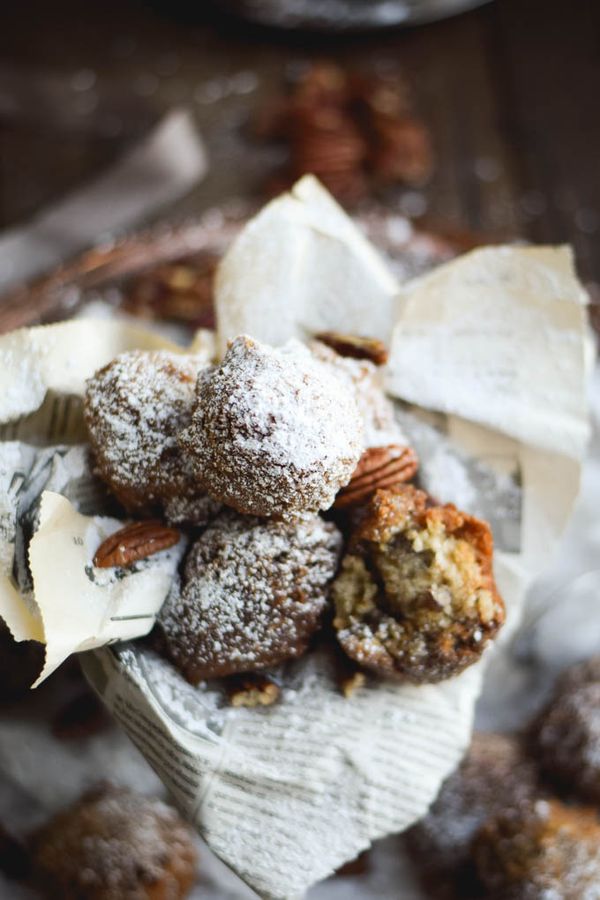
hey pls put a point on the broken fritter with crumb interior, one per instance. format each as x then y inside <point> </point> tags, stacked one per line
<point>415,598</point>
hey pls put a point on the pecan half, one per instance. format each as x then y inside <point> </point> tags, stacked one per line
<point>352,683</point>
<point>180,291</point>
<point>355,347</point>
<point>352,130</point>
<point>378,467</point>
<point>251,690</point>
<point>134,542</point>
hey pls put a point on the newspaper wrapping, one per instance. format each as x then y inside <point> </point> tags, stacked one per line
<point>488,365</point>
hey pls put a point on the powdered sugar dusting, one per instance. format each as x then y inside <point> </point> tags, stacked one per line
<point>573,730</point>
<point>190,507</point>
<point>116,843</point>
<point>134,409</point>
<point>274,431</point>
<point>442,840</point>
<point>541,851</point>
<point>377,411</point>
<point>253,593</point>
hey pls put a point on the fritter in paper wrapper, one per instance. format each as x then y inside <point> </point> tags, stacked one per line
<point>286,793</point>
<point>253,594</point>
<point>416,597</point>
<point>134,409</point>
<point>273,432</point>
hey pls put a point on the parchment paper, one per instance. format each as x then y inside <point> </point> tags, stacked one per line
<point>51,504</point>
<point>285,795</point>
<point>302,266</point>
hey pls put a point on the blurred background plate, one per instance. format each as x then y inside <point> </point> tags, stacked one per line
<point>346,15</point>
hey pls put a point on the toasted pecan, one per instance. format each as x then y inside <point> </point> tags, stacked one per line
<point>378,467</point>
<point>134,542</point>
<point>355,346</point>
<point>253,689</point>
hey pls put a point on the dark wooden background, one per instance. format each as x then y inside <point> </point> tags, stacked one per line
<point>510,91</point>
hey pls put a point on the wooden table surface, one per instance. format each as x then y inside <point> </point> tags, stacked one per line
<point>510,93</point>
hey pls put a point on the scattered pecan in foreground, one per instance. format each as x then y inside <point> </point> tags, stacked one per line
<point>135,542</point>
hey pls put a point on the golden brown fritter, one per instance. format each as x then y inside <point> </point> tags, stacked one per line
<point>440,844</point>
<point>416,597</point>
<point>134,409</point>
<point>545,851</point>
<point>114,845</point>
<point>275,432</point>
<point>253,594</point>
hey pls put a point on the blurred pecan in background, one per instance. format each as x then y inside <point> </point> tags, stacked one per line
<point>352,131</point>
<point>179,291</point>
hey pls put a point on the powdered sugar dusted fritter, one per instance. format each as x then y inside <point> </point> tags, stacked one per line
<point>376,409</point>
<point>541,851</point>
<point>134,408</point>
<point>416,598</point>
<point>253,593</point>
<point>274,431</point>
<point>115,845</point>
<point>567,733</point>
<point>440,843</point>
